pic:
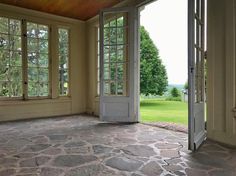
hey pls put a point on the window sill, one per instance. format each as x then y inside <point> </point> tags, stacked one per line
<point>34,101</point>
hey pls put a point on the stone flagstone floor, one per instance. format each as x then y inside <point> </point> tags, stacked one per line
<point>83,146</point>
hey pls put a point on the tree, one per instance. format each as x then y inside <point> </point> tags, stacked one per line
<point>153,76</point>
<point>186,85</point>
<point>175,92</point>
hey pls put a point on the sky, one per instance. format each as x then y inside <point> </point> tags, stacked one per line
<point>166,22</point>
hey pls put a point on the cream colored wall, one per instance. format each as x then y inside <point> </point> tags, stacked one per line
<point>221,121</point>
<point>76,103</point>
<point>93,100</point>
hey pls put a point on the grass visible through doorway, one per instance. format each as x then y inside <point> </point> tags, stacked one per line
<point>159,110</point>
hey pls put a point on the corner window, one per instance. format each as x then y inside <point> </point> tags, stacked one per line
<point>10,58</point>
<point>63,35</point>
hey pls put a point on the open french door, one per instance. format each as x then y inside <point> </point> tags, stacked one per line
<point>119,86</point>
<point>196,72</point>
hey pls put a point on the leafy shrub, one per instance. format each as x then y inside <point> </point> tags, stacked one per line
<point>173,99</point>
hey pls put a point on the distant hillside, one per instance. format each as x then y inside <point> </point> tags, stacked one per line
<point>178,86</point>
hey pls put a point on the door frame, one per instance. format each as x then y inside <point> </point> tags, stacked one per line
<point>191,92</point>
<point>132,89</point>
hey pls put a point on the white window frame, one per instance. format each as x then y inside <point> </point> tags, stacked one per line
<point>53,57</point>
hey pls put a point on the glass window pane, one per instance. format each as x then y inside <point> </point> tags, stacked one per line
<point>38,60</point>
<point>10,58</point>
<point>43,61</point>
<point>4,41</point>
<point>33,59</point>
<point>63,42</point>
<point>15,43</point>
<point>3,25</point>
<point>15,27</point>
<point>43,46</point>
<point>113,88</point>
<point>42,31</point>
<point>43,75</point>
<point>32,89</point>
<point>120,87</point>
<point>113,36</point>
<point>4,89</point>
<point>16,88</point>
<point>33,74</point>
<point>15,74</point>
<point>32,30</point>
<point>43,89</point>
<point>120,21</point>
<point>120,71</point>
<point>15,58</point>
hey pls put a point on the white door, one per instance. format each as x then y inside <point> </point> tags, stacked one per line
<point>119,96</point>
<point>196,59</point>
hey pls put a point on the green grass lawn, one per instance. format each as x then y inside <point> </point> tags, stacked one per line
<point>159,110</point>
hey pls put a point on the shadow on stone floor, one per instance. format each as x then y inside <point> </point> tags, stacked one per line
<point>84,146</point>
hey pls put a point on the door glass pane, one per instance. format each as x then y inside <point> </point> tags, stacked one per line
<point>199,52</point>
<point>115,54</point>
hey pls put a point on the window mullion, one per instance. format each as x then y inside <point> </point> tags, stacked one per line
<point>24,60</point>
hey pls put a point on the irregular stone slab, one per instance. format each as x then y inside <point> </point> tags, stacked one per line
<point>34,162</point>
<point>139,150</point>
<point>173,168</point>
<point>169,153</point>
<point>152,169</point>
<point>124,164</point>
<point>73,160</point>
<point>57,137</point>
<point>50,171</point>
<point>86,170</point>
<point>81,150</point>
<point>166,146</point>
<point>25,155</point>
<point>98,149</point>
<point>74,144</point>
<point>52,151</point>
<point>174,161</point>
<point>8,162</point>
<point>40,139</point>
<point>18,143</point>
<point>36,147</point>
<point>7,172</point>
<point>29,171</point>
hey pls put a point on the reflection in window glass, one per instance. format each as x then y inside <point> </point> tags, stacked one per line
<point>63,61</point>
<point>38,60</point>
<point>10,58</point>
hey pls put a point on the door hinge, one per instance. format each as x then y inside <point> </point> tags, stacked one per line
<point>191,69</point>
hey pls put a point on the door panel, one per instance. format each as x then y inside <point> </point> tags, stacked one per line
<point>118,73</point>
<point>196,63</point>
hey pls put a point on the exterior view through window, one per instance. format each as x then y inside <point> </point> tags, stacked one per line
<point>25,64</point>
<point>10,58</point>
<point>38,60</point>
<point>63,61</point>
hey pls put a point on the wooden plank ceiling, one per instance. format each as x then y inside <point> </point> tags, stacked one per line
<point>78,9</point>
